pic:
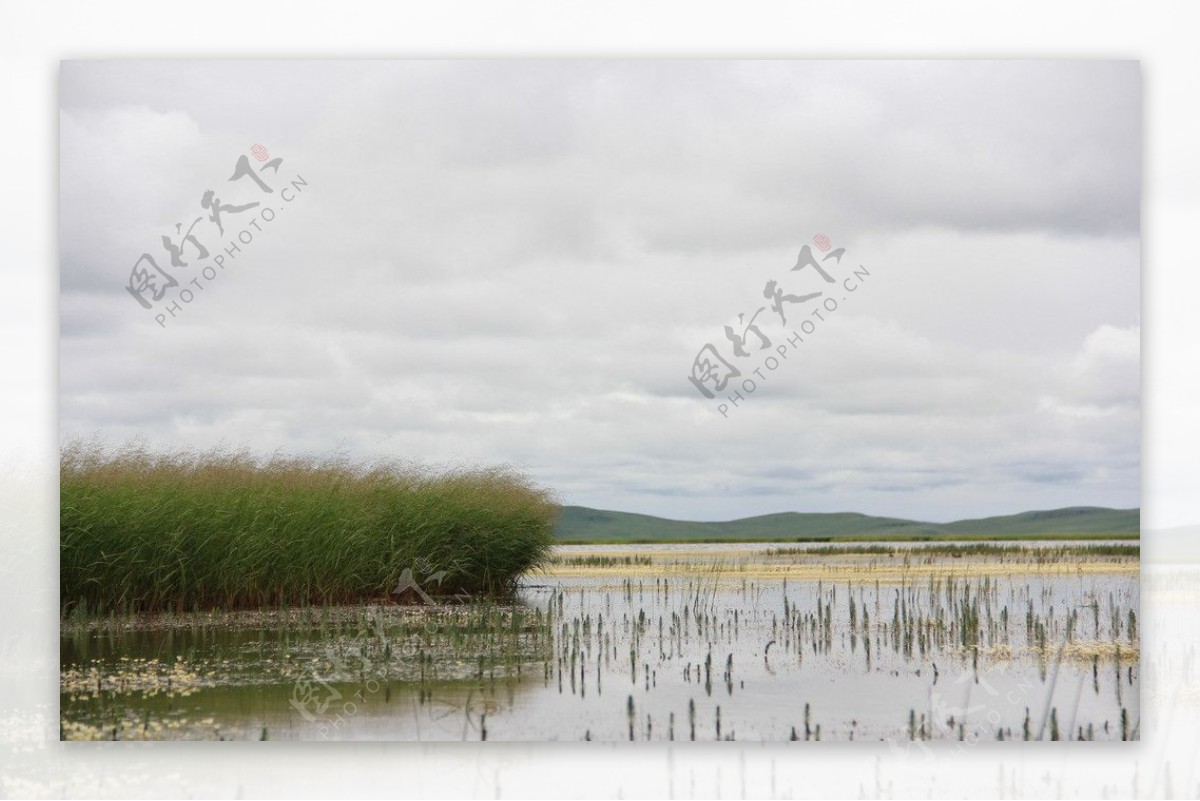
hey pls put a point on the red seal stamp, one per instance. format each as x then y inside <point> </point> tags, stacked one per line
<point>822,242</point>
<point>259,152</point>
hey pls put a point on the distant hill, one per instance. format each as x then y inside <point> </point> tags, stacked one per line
<point>583,524</point>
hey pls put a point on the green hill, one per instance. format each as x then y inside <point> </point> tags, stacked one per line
<point>582,524</point>
<point>1072,520</point>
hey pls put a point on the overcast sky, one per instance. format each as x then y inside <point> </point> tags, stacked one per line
<point>518,262</point>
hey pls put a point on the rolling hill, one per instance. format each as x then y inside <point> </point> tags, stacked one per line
<point>582,524</point>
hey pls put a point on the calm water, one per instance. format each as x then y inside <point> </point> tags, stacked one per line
<point>656,642</point>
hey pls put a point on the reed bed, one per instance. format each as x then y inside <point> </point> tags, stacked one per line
<point>145,532</point>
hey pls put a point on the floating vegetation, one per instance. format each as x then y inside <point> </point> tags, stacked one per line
<point>148,677</point>
<point>400,648</point>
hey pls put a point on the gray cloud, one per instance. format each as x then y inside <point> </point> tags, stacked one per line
<point>517,261</point>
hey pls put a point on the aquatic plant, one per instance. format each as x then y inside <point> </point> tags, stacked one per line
<point>145,531</point>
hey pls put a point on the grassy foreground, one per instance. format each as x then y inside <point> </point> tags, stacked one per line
<point>144,531</point>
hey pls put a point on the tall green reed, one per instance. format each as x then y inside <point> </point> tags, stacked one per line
<point>147,531</point>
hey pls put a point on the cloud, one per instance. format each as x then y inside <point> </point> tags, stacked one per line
<point>517,262</point>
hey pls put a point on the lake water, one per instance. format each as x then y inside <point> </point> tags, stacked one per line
<point>655,642</point>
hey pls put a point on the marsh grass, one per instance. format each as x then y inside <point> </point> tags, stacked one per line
<point>144,531</point>
<point>1050,553</point>
<point>1010,619</point>
<point>600,560</point>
